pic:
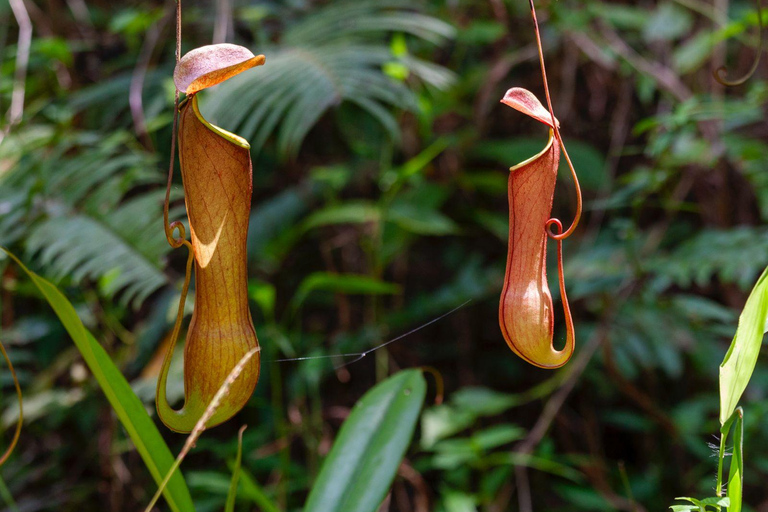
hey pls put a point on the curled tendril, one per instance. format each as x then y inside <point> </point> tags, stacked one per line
<point>720,73</point>
<point>439,383</point>
<point>176,225</point>
<point>560,278</point>
<point>555,125</point>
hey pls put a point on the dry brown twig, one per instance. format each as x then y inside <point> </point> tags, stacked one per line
<point>16,110</point>
<point>135,100</point>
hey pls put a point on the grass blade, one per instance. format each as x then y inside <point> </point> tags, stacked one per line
<point>232,494</point>
<point>252,491</point>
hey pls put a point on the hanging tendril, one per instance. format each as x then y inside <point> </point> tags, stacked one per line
<point>721,72</point>
<point>560,235</point>
<point>176,225</point>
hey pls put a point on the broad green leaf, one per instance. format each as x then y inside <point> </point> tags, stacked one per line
<point>482,401</point>
<point>342,283</point>
<point>457,501</point>
<point>739,363</point>
<point>129,409</point>
<point>371,443</point>
<point>456,452</point>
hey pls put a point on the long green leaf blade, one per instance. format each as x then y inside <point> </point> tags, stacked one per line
<point>370,446</point>
<point>232,494</point>
<point>736,473</point>
<point>739,363</point>
<point>129,409</point>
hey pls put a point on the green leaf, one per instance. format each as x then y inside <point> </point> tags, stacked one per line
<point>739,363</point>
<point>232,494</point>
<point>421,220</point>
<point>442,421</point>
<point>82,247</point>
<point>736,473</point>
<point>700,505</point>
<point>371,443</point>
<point>358,212</point>
<point>457,501</point>
<point>334,57</point>
<point>481,401</point>
<point>252,491</point>
<point>534,462</point>
<point>342,283</point>
<point>668,22</point>
<point>129,409</point>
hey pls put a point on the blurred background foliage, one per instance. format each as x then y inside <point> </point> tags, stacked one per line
<point>380,167</point>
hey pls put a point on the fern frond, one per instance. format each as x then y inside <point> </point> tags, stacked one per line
<point>81,247</point>
<point>737,255</point>
<point>335,56</point>
<point>70,203</point>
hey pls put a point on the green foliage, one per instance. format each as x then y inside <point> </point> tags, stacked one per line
<point>140,428</point>
<point>336,55</point>
<point>736,472</point>
<point>707,504</point>
<point>346,284</point>
<point>741,358</point>
<point>369,447</point>
<point>232,494</point>
<point>92,224</point>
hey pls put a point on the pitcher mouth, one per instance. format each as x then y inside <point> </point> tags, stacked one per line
<point>231,137</point>
<point>537,155</point>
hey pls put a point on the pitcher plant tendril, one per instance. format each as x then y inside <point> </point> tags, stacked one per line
<point>20,421</point>
<point>721,72</point>
<point>217,178</point>
<point>525,309</point>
